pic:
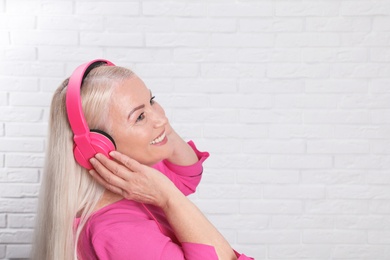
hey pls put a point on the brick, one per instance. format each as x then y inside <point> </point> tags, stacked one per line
<point>270,116</point>
<point>204,55</point>
<point>256,55</point>
<point>381,207</point>
<point>18,205</point>
<point>363,222</point>
<point>31,69</point>
<point>173,9</point>
<point>21,221</point>
<point>290,191</point>
<point>176,39</point>
<point>359,192</point>
<point>335,206</point>
<point>240,10</point>
<point>4,38</point>
<point>111,39</point>
<point>15,129</point>
<point>24,84</point>
<point>270,86</point>
<point>301,222</point>
<point>17,22</point>
<point>269,237</point>
<point>334,237</point>
<point>181,70</point>
<point>230,70</point>
<point>301,161</point>
<point>58,7</point>
<point>18,54</point>
<point>23,7</point>
<point>271,207</point>
<point>297,70</point>
<point>26,145</point>
<point>16,160</point>
<point>379,85</point>
<point>362,131</point>
<point>19,175</point>
<point>379,237</point>
<point>301,131</point>
<point>338,24</point>
<point>2,221</point>
<point>307,8</point>
<point>19,191</point>
<point>256,40</point>
<point>18,114</point>
<point>365,8</point>
<point>362,161</point>
<point>308,39</point>
<point>334,55</point>
<point>338,147</point>
<point>203,85</point>
<point>205,25</point>
<point>70,23</point>
<point>15,236</point>
<point>268,176</point>
<point>336,86</point>
<point>20,251</point>
<point>381,23</point>
<point>273,147</point>
<point>107,8</point>
<point>47,37</point>
<point>139,24</point>
<point>300,252</point>
<point>336,116</point>
<point>271,25</point>
<point>235,131</point>
<point>359,251</point>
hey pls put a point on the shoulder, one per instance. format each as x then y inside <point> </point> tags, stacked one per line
<point>124,229</point>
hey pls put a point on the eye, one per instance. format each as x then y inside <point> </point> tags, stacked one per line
<point>152,100</point>
<point>141,117</point>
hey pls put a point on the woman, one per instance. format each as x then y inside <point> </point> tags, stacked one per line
<point>124,202</point>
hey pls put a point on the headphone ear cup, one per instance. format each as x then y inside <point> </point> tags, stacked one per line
<point>101,142</point>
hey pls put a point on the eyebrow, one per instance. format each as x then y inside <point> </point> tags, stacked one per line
<point>135,109</point>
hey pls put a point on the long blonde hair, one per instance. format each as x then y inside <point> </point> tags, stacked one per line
<point>67,189</point>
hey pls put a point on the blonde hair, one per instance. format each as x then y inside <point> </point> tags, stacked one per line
<point>67,190</point>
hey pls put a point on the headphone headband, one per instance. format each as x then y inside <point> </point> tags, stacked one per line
<point>73,98</point>
<point>87,144</point>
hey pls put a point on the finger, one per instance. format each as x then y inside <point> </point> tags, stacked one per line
<point>104,183</point>
<point>112,166</point>
<point>106,174</point>
<point>128,162</point>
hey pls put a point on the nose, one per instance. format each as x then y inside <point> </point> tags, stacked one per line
<point>159,118</point>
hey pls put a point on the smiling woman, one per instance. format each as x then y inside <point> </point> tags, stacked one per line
<point>117,174</point>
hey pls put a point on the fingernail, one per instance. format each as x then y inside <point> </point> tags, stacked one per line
<point>92,160</point>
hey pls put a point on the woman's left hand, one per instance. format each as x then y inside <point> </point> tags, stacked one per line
<point>131,179</point>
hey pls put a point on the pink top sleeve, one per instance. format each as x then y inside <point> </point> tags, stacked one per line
<point>186,178</point>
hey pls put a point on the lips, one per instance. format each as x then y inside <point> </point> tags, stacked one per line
<point>159,139</point>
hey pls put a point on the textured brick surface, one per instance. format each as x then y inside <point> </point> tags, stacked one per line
<point>291,98</point>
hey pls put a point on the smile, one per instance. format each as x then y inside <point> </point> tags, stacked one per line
<point>158,139</point>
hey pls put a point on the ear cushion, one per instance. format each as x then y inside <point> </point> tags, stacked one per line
<point>101,142</point>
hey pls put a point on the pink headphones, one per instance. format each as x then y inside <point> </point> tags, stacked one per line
<point>87,142</point>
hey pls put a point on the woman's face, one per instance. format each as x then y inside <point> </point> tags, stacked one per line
<point>139,125</point>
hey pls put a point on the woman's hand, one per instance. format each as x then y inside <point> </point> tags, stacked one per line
<point>132,180</point>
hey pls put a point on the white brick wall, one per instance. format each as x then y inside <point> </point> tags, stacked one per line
<point>292,99</point>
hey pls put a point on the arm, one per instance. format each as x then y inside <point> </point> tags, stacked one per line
<point>146,185</point>
<point>182,154</point>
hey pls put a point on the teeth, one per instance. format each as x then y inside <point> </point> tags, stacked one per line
<point>158,139</point>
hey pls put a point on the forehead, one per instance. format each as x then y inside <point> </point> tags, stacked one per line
<point>130,93</point>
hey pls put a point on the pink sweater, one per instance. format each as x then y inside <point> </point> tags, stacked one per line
<point>131,230</point>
